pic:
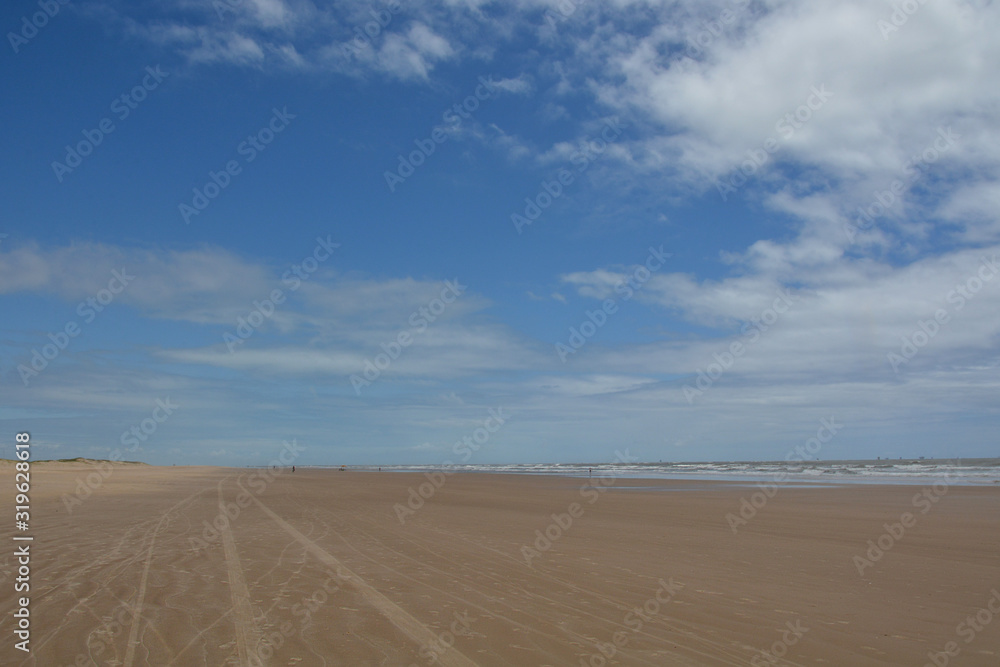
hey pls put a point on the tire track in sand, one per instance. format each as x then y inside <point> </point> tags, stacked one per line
<point>133,632</point>
<point>141,597</point>
<point>247,633</point>
<point>406,623</point>
<point>112,571</point>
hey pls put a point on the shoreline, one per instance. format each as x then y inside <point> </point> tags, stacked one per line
<point>789,479</point>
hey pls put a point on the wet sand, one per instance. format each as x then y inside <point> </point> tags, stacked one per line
<point>323,567</point>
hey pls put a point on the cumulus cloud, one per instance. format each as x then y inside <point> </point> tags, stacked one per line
<point>713,101</point>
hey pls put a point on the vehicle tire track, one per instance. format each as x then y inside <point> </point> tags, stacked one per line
<point>396,615</point>
<point>112,569</point>
<point>133,632</point>
<point>534,629</point>
<point>247,633</point>
<point>141,596</point>
<point>690,630</point>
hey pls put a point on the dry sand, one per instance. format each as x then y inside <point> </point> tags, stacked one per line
<point>317,569</point>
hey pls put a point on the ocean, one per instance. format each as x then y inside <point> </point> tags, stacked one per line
<point>975,472</point>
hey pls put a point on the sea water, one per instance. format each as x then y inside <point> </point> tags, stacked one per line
<point>900,471</point>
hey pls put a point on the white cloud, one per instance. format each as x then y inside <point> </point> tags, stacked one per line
<point>206,285</point>
<point>519,85</point>
<point>843,321</point>
<point>976,210</point>
<point>888,97</point>
<point>272,13</point>
<point>588,385</point>
<point>412,55</point>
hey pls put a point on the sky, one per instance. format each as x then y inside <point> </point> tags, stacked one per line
<point>496,232</point>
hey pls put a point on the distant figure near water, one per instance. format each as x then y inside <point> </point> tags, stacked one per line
<point>293,468</point>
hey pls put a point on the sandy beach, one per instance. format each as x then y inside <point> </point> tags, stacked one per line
<point>212,566</point>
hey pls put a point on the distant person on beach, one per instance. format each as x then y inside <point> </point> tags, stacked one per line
<point>293,468</point>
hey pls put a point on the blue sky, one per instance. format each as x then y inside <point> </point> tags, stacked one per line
<point>645,229</point>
